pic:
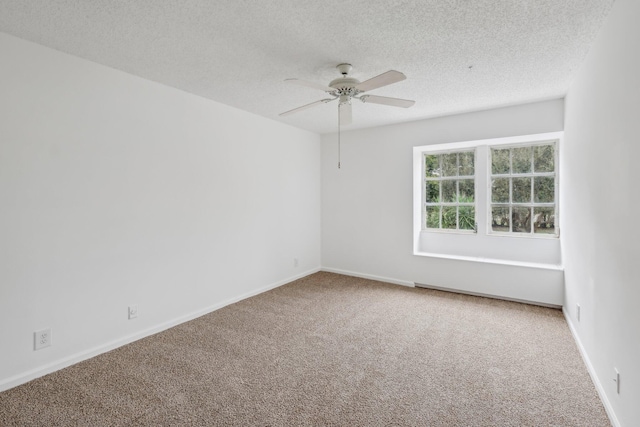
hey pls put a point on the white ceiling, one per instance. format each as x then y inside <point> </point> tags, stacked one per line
<point>458,55</point>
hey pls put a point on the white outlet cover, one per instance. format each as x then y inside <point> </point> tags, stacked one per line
<point>41,339</point>
<point>133,311</point>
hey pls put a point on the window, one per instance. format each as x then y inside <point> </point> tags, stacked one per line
<point>449,191</point>
<point>523,189</point>
<point>492,200</point>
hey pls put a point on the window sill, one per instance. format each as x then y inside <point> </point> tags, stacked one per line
<point>524,235</point>
<point>448,231</point>
<point>541,266</point>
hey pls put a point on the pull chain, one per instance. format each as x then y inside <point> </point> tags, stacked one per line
<point>339,107</point>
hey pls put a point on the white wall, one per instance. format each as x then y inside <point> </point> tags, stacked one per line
<point>601,204</point>
<point>367,205</point>
<point>117,190</point>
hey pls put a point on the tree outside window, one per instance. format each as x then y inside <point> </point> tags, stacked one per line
<point>523,189</point>
<point>449,191</point>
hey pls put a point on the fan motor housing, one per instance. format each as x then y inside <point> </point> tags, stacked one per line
<point>345,86</point>
<point>344,83</point>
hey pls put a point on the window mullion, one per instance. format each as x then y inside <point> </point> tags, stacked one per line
<point>532,195</point>
<point>457,196</point>
<point>440,166</point>
<point>510,191</point>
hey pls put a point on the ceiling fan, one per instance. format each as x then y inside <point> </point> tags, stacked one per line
<point>346,88</point>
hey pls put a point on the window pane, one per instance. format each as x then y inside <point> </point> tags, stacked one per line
<point>543,158</point>
<point>521,220</point>
<point>500,190</point>
<point>500,161</point>
<point>467,163</point>
<point>433,216</point>
<point>544,189</point>
<point>449,217</point>
<point>466,191</point>
<point>500,218</point>
<point>521,190</point>
<point>432,165</point>
<point>544,221</point>
<point>467,217</point>
<point>449,190</point>
<point>450,164</point>
<point>521,159</point>
<point>433,192</point>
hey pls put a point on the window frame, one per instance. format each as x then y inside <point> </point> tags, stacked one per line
<point>532,204</point>
<point>529,250</point>
<point>443,204</point>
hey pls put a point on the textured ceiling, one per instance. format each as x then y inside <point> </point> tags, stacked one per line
<point>458,55</point>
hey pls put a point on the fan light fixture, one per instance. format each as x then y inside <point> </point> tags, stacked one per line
<point>346,88</point>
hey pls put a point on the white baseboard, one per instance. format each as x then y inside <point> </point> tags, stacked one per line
<point>592,372</point>
<point>369,276</point>
<point>92,352</point>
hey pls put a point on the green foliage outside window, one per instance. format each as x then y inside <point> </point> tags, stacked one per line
<point>466,216</point>
<point>450,191</point>
<point>523,186</point>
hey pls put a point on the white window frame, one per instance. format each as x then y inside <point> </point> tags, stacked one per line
<point>442,204</point>
<point>481,246</point>
<point>532,204</point>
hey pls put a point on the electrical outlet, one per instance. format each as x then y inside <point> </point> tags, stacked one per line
<point>578,312</point>
<point>133,311</point>
<point>42,339</point>
<point>616,379</point>
<point>296,262</point>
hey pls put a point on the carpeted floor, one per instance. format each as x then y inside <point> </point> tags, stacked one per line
<point>331,350</point>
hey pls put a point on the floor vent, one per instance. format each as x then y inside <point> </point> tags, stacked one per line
<point>478,294</point>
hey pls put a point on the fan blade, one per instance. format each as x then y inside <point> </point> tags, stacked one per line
<point>312,85</point>
<point>383,79</point>
<point>395,102</point>
<point>304,107</point>
<point>345,113</point>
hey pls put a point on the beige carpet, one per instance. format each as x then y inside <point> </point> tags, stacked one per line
<point>331,350</point>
